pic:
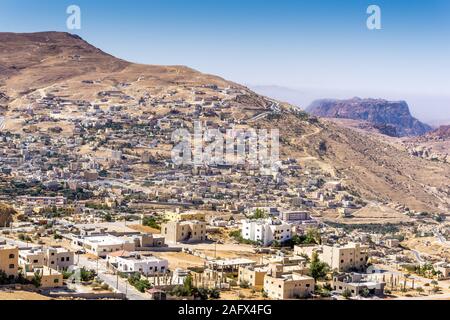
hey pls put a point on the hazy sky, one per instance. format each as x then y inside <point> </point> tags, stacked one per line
<point>316,44</point>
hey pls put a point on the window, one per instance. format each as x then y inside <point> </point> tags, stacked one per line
<point>342,261</point>
<point>67,258</point>
<point>56,281</point>
<point>12,256</point>
<point>35,261</point>
<point>62,259</point>
<point>11,266</point>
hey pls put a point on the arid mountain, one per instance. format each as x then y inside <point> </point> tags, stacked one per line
<point>441,133</point>
<point>392,117</point>
<point>434,145</point>
<point>80,79</point>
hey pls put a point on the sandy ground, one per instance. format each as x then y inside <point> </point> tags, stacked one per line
<point>180,259</point>
<point>21,295</point>
<point>144,229</point>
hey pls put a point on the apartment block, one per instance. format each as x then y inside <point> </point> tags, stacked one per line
<point>266,231</point>
<point>352,256</point>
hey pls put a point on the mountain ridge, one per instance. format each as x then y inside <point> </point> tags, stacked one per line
<point>377,111</point>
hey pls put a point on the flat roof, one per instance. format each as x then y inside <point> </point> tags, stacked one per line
<point>232,262</point>
<point>105,239</point>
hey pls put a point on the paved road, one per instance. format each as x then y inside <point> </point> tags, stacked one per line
<point>442,239</point>
<point>418,257</point>
<point>111,279</point>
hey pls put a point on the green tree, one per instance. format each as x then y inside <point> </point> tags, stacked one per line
<point>318,269</point>
<point>347,293</point>
<point>260,214</point>
<point>37,279</point>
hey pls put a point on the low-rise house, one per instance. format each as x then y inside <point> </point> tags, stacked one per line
<point>130,262</point>
<point>104,244</point>
<point>357,284</point>
<point>288,286</point>
<point>253,275</point>
<point>49,278</point>
<point>184,231</point>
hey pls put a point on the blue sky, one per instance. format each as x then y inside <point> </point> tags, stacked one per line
<point>316,44</point>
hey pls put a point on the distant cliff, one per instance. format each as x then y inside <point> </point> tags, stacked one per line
<point>394,114</point>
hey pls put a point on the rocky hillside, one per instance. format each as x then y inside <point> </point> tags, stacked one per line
<point>393,117</point>
<point>441,133</point>
<point>55,79</point>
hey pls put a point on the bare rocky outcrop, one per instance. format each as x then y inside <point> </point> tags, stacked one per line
<point>393,117</point>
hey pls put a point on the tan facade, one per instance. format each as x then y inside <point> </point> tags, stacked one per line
<point>254,276</point>
<point>49,278</point>
<point>350,257</point>
<point>184,231</point>
<point>55,258</point>
<point>9,260</point>
<point>290,286</point>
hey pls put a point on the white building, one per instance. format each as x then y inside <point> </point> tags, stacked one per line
<point>266,231</point>
<point>104,244</point>
<point>142,264</point>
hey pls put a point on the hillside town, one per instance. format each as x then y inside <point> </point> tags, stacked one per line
<point>92,207</point>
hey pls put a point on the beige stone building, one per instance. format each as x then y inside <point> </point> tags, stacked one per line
<point>288,286</point>
<point>50,278</point>
<point>55,258</point>
<point>352,256</point>
<point>184,231</point>
<point>253,275</point>
<point>9,260</point>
